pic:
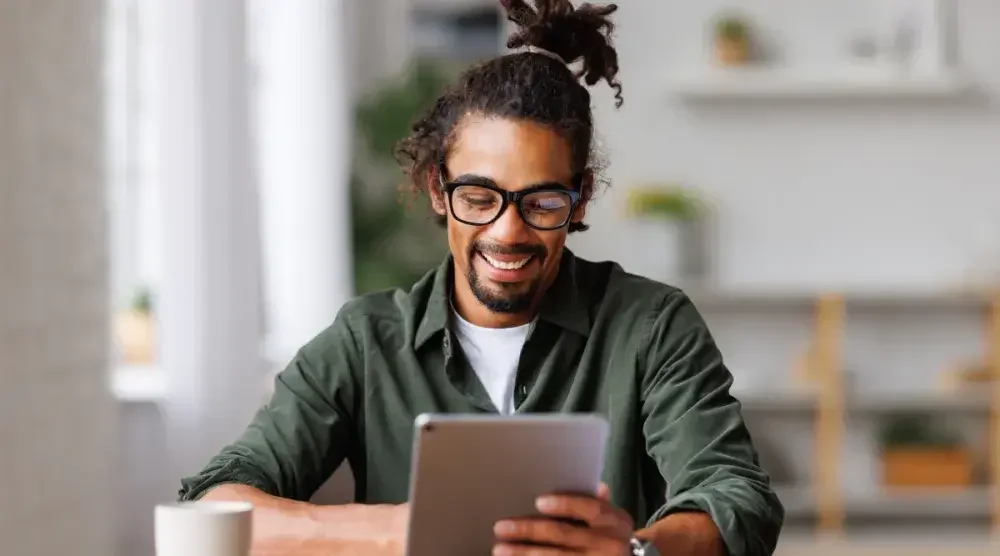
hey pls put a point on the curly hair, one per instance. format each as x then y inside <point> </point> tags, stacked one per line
<point>526,85</point>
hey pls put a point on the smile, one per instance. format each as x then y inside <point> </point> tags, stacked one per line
<point>506,265</point>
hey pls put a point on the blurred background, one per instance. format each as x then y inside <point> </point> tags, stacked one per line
<point>189,191</point>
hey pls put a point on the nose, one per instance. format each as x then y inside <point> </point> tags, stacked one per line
<point>510,227</point>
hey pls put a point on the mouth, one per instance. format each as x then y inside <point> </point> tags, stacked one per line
<point>504,268</point>
<point>506,263</point>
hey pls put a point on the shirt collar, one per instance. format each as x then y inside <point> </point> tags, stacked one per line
<point>564,305</point>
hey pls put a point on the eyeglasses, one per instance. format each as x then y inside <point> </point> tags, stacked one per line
<point>544,208</point>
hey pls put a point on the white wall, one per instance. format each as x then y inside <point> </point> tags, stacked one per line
<point>815,194</point>
<point>812,195</point>
<point>56,413</point>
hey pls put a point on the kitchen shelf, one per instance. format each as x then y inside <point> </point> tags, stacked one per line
<point>843,83</point>
<point>971,503</point>
<point>931,402</point>
<point>138,384</point>
<point>824,397</point>
<point>871,404</point>
<point>760,299</point>
<point>777,402</point>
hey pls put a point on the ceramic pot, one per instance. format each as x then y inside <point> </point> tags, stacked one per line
<point>731,52</point>
<point>135,332</point>
<point>918,467</point>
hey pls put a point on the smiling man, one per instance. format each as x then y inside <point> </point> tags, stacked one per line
<point>512,321</point>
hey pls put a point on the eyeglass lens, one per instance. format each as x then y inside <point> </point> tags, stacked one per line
<point>543,209</point>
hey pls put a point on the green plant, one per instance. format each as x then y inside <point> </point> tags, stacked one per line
<point>665,201</point>
<point>732,28</point>
<point>142,301</point>
<point>393,246</point>
<point>916,431</point>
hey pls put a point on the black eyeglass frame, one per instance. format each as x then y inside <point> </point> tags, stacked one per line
<point>512,197</point>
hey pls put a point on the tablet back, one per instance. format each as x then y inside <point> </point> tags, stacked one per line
<point>469,471</point>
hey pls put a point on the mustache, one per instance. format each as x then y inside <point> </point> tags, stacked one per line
<point>517,249</point>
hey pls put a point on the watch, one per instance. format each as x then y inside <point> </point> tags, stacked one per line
<point>643,548</point>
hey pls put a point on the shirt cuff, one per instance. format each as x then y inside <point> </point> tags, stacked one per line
<point>232,472</point>
<point>725,520</point>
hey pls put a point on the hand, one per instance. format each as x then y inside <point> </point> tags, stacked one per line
<point>604,530</point>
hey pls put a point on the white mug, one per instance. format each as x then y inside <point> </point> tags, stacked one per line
<point>203,529</point>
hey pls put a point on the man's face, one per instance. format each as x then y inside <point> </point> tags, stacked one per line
<point>507,264</point>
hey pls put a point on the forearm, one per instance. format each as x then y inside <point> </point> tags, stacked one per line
<point>685,534</point>
<point>283,526</point>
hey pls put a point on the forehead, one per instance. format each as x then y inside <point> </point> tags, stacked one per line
<point>513,153</point>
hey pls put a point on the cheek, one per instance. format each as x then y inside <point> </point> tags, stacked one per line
<point>554,244</point>
<point>459,240</point>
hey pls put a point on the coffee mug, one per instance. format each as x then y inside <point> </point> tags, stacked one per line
<point>203,529</point>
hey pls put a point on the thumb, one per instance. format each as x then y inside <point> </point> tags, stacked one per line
<point>604,492</point>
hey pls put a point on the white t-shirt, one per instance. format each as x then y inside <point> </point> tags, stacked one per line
<point>493,354</point>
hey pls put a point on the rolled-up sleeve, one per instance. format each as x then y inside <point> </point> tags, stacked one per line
<point>305,430</point>
<point>694,430</point>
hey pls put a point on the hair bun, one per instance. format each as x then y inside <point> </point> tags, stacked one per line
<point>573,34</point>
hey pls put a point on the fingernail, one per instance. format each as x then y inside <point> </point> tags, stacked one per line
<point>504,528</point>
<point>546,504</point>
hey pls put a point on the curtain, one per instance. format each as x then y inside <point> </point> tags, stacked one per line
<point>209,309</point>
<point>254,159</point>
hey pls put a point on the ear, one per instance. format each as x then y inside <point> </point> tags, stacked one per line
<point>438,202</point>
<point>587,190</point>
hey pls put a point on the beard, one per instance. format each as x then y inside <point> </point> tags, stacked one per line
<point>513,297</point>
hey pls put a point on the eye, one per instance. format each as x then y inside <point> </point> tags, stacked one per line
<point>476,197</point>
<point>546,202</point>
<point>478,200</point>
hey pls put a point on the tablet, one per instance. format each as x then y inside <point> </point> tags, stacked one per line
<point>470,471</point>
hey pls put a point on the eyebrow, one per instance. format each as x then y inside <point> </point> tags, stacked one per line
<point>476,179</point>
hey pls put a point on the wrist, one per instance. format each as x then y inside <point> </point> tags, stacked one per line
<point>685,533</point>
<point>370,523</point>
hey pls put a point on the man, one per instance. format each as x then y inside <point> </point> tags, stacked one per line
<point>511,321</point>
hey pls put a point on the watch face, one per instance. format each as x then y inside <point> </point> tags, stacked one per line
<point>643,548</point>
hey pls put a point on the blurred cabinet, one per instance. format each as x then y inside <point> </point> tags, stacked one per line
<point>820,394</point>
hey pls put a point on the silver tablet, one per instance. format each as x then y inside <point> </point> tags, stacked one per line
<point>470,471</point>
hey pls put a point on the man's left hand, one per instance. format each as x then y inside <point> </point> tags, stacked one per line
<point>603,529</point>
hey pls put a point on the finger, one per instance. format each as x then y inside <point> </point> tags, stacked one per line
<point>507,549</point>
<point>544,531</point>
<point>569,506</point>
<point>591,511</point>
<point>604,492</point>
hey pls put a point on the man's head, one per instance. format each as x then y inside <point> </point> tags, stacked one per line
<point>506,153</point>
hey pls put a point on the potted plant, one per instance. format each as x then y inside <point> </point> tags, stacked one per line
<point>732,40</point>
<point>686,211</point>
<point>919,453</point>
<point>136,330</point>
<point>396,240</point>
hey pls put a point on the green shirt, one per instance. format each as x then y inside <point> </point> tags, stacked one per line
<point>632,349</point>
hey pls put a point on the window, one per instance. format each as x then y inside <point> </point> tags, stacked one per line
<point>133,176</point>
<point>133,197</point>
<point>458,35</point>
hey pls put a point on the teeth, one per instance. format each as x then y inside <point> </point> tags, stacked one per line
<point>503,265</point>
